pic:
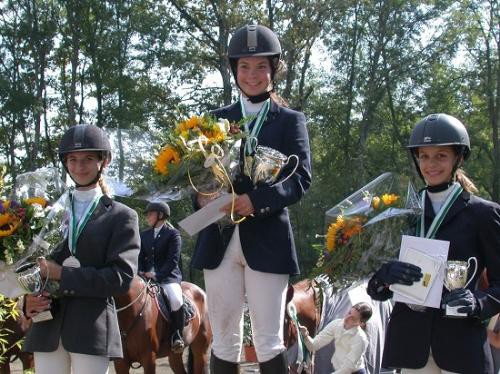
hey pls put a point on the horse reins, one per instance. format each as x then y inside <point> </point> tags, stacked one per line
<point>136,299</point>
<point>147,287</point>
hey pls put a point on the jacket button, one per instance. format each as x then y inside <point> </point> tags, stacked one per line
<point>268,209</point>
<point>72,292</point>
<point>262,210</point>
<point>65,292</point>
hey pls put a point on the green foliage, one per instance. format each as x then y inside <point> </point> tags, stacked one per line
<point>8,309</point>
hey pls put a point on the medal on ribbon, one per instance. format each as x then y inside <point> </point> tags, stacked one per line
<point>75,229</point>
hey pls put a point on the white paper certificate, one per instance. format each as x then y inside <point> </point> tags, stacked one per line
<point>207,215</point>
<point>434,254</point>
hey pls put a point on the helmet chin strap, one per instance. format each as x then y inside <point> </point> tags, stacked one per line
<point>255,99</point>
<point>258,98</point>
<point>440,187</point>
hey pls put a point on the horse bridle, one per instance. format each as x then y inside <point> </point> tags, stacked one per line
<point>289,325</point>
<point>149,288</point>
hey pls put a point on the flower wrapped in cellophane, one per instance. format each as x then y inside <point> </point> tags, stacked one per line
<point>365,229</point>
<point>33,221</point>
<point>199,154</point>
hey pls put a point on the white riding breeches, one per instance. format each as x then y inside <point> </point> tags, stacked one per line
<point>429,368</point>
<point>63,362</point>
<point>226,287</point>
<point>174,295</point>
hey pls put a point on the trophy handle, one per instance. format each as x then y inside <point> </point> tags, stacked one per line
<point>475,269</point>
<point>294,168</point>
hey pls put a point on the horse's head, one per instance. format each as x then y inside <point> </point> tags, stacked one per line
<point>304,298</point>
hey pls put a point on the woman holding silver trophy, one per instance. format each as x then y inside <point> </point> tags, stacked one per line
<point>97,260</point>
<point>255,257</point>
<point>451,339</point>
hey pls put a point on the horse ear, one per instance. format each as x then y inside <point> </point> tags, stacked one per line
<point>289,293</point>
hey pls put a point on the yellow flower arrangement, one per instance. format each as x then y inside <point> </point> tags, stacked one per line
<point>365,229</point>
<point>24,215</point>
<point>196,152</point>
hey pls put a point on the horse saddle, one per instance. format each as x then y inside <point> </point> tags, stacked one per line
<point>166,312</point>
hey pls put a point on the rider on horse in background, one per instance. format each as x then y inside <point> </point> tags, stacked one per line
<point>159,260</point>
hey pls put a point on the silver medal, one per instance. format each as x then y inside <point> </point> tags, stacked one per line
<point>71,262</point>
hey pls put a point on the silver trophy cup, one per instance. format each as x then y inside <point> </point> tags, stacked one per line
<point>30,279</point>
<point>456,274</point>
<point>267,164</point>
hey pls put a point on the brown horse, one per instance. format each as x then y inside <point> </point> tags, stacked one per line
<point>317,303</point>
<point>14,330</point>
<point>146,334</point>
<point>305,296</point>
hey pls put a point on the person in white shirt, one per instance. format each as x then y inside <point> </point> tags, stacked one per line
<point>350,339</point>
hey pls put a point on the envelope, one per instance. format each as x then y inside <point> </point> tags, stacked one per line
<point>430,267</point>
<point>438,251</point>
<point>205,216</point>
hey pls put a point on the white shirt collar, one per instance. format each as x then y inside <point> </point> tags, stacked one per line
<point>86,195</point>
<point>251,108</point>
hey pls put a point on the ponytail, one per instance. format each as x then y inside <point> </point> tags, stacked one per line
<point>104,186</point>
<point>278,99</point>
<point>466,183</point>
<point>278,73</point>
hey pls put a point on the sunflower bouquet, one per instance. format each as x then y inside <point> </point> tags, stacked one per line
<point>33,222</point>
<point>365,229</point>
<point>199,154</point>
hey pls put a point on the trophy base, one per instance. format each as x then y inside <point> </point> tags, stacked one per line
<point>46,315</point>
<point>451,311</point>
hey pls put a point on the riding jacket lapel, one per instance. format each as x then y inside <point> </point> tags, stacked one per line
<point>105,203</point>
<point>274,110</point>
<point>234,112</point>
<point>457,207</point>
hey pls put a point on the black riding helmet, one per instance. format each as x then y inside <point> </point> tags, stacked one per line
<point>159,207</point>
<point>254,41</point>
<point>440,129</point>
<point>81,138</point>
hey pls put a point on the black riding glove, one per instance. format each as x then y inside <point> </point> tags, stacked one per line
<point>398,272</point>
<point>464,298</point>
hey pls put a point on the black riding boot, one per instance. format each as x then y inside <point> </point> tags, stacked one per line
<point>178,320</point>
<point>219,366</point>
<point>277,365</point>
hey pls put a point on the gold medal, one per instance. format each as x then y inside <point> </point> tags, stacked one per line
<point>71,262</point>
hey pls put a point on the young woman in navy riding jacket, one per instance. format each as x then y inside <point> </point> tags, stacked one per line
<point>255,258</point>
<point>425,340</point>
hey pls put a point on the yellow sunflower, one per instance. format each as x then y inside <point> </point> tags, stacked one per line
<point>8,224</point>
<point>188,124</point>
<point>36,200</point>
<point>331,234</point>
<point>167,156</point>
